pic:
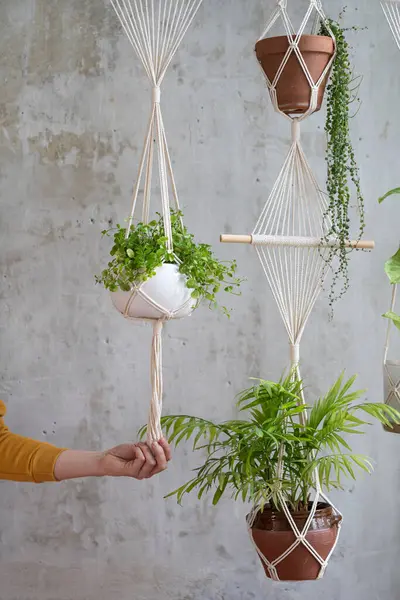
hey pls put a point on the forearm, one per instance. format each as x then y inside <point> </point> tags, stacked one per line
<point>73,464</point>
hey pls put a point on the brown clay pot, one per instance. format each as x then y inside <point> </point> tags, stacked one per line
<point>394,429</point>
<point>293,89</point>
<point>273,535</point>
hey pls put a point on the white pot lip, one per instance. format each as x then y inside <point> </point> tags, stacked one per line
<point>174,266</point>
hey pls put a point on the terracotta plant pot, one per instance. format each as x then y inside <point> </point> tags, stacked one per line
<point>392,374</point>
<point>273,535</point>
<point>293,89</point>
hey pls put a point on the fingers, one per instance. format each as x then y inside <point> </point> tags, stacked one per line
<point>167,448</point>
<point>161,458</point>
<point>150,462</point>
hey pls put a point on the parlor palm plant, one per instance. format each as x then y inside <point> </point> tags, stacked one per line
<point>271,457</point>
<point>243,455</point>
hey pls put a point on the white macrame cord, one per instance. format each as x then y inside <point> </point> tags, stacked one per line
<point>391,367</point>
<point>155,29</point>
<point>391,9</point>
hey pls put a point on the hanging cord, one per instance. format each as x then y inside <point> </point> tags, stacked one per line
<point>389,326</point>
<point>154,431</point>
<point>391,9</point>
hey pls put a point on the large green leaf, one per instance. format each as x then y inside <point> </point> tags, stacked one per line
<point>393,317</point>
<point>391,193</point>
<point>392,268</point>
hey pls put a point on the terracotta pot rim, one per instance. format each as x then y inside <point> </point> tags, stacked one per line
<point>394,429</point>
<point>324,513</point>
<point>308,43</point>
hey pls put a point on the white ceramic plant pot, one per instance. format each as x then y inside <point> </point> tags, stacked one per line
<point>167,289</point>
<point>391,378</point>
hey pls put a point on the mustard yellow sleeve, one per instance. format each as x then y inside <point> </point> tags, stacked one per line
<point>23,459</point>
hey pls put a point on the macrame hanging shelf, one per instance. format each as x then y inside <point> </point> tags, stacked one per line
<point>391,368</point>
<point>156,28</point>
<point>290,236</point>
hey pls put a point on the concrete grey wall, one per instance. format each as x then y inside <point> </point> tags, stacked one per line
<point>73,107</point>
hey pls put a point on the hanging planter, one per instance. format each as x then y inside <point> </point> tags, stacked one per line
<point>164,293</point>
<point>149,281</point>
<point>273,535</point>
<point>391,376</point>
<point>292,85</point>
<point>391,368</point>
<point>299,68</point>
<point>281,456</point>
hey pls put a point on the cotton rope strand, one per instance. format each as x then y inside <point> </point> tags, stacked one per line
<point>391,9</point>
<point>295,210</point>
<point>155,29</point>
<point>390,367</point>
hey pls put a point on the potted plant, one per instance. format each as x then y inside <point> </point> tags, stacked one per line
<point>293,94</point>
<point>270,459</point>
<point>293,88</point>
<point>392,367</point>
<point>147,280</point>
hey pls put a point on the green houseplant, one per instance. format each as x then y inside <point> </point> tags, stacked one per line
<point>392,367</point>
<point>191,268</point>
<point>270,458</point>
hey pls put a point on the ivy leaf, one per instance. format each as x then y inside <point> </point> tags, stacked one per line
<point>393,317</point>
<point>392,268</point>
<point>391,193</point>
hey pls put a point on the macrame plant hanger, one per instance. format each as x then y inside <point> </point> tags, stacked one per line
<point>391,368</point>
<point>155,29</point>
<point>291,241</point>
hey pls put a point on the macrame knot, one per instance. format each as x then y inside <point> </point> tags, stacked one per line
<point>295,354</point>
<point>158,326</point>
<point>156,94</point>
<point>276,487</point>
<point>295,130</point>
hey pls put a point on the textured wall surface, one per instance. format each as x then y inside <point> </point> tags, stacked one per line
<point>73,108</point>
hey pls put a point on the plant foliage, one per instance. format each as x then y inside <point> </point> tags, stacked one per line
<point>243,455</point>
<point>342,169</point>
<point>135,258</point>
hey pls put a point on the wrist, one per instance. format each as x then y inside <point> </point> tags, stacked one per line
<point>74,464</point>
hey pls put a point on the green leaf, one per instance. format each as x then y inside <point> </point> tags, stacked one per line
<point>392,268</point>
<point>391,193</point>
<point>393,317</point>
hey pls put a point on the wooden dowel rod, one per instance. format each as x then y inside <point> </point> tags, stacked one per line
<point>295,242</point>
<point>227,238</point>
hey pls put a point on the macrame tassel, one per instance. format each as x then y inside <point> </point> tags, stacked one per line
<point>154,431</point>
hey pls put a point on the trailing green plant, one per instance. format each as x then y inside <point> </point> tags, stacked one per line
<point>135,259</point>
<point>243,456</point>
<point>342,169</point>
<point>392,266</point>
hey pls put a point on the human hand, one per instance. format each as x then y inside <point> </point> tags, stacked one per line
<point>138,461</point>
